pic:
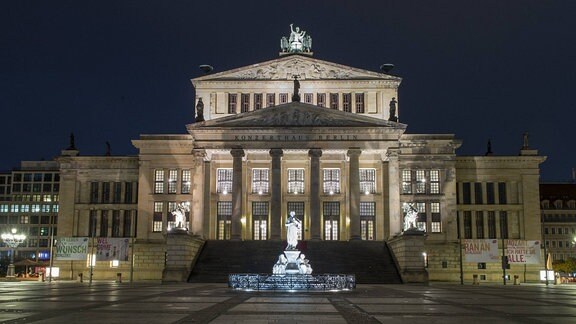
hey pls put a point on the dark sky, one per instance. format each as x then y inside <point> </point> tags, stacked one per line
<point>111,70</point>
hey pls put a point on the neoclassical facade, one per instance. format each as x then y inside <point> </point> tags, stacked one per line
<point>318,138</point>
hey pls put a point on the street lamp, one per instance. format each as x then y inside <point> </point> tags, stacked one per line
<point>12,240</point>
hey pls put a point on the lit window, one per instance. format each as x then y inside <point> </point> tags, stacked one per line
<point>331,214</point>
<point>186,181</point>
<point>334,101</point>
<point>406,182</point>
<point>260,181</point>
<point>367,220</point>
<point>331,181</point>
<point>260,219</point>
<point>224,181</point>
<point>172,181</point>
<point>436,225</point>
<point>257,101</point>
<point>232,101</point>
<point>283,98</point>
<point>421,220</point>
<point>296,181</point>
<point>367,181</point>
<point>244,102</point>
<point>308,98</point>
<point>321,99</point>
<point>159,181</point>
<point>270,100</point>
<point>359,103</point>
<point>434,181</point>
<point>224,216</point>
<point>157,217</point>
<point>420,182</point>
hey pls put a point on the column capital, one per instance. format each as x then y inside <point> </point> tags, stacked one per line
<point>315,153</point>
<point>276,152</point>
<point>237,152</point>
<point>354,152</point>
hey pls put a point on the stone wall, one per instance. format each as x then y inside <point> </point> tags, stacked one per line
<point>182,250</point>
<point>408,251</point>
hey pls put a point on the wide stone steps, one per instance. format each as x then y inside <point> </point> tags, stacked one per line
<point>370,261</point>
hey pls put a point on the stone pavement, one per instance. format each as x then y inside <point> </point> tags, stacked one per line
<point>107,302</point>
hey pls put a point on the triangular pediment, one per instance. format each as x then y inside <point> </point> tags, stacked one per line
<point>305,67</point>
<point>295,114</point>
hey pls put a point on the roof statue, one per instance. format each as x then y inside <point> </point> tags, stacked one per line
<point>298,41</point>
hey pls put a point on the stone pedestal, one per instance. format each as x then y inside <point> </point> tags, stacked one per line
<point>182,250</point>
<point>408,249</point>
<point>293,266</point>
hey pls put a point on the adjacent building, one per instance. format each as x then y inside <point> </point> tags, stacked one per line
<point>558,204</point>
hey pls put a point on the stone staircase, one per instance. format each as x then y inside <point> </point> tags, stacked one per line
<point>370,261</point>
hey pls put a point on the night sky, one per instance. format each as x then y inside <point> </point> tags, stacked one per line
<point>112,70</point>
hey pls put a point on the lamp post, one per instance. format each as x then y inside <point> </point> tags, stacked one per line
<point>12,240</point>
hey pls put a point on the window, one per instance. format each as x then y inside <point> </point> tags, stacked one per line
<point>420,182</point>
<point>127,228</point>
<point>224,215</point>
<point>232,102</point>
<point>270,100</point>
<point>257,101</point>
<point>171,219</point>
<point>24,219</point>
<point>434,181</point>
<point>172,181</point>
<point>296,181</point>
<point>115,223</point>
<point>479,225</point>
<point>422,217</point>
<point>359,103</point>
<point>367,220</point>
<point>436,222</point>
<point>491,225</point>
<point>93,222</point>
<point>260,219</point>
<point>105,192</point>
<point>503,225</point>
<point>308,98</point>
<point>347,102</point>
<point>368,181</point>
<point>331,212</point>
<point>128,192</point>
<point>185,186</point>
<point>94,192</point>
<point>45,208</point>
<point>467,224</point>
<point>502,193</point>
<point>104,223</point>
<point>157,217</point>
<point>159,181</point>
<point>321,99</point>
<point>116,197</point>
<point>298,208</point>
<point>283,98</point>
<point>466,193</point>
<point>334,100</point>
<point>224,181</point>
<point>244,102</point>
<point>490,193</point>
<point>406,182</point>
<point>331,181</point>
<point>478,193</point>
<point>260,181</point>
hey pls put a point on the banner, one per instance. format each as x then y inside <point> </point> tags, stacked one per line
<point>112,248</point>
<point>481,250</point>
<point>526,252</point>
<point>71,248</point>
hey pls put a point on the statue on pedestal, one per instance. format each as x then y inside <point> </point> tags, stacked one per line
<point>180,215</point>
<point>293,225</point>
<point>410,216</point>
<point>298,41</point>
<point>393,110</point>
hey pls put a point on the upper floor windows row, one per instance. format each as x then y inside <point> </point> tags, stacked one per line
<point>36,177</point>
<point>421,182</point>
<point>168,181</point>
<point>113,192</point>
<point>558,204</point>
<point>480,193</point>
<point>245,102</point>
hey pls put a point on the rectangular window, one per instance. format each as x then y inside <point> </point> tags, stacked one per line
<point>298,208</point>
<point>24,219</point>
<point>170,218</point>
<point>260,219</point>
<point>128,192</point>
<point>367,181</point>
<point>359,103</point>
<point>172,181</point>
<point>466,193</point>
<point>308,98</point>
<point>270,100</point>
<point>367,220</point>
<point>115,223</point>
<point>283,98</point>
<point>117,195</point>
<point>321,99</point>
<point>491,225</point>
<point>420,182</point>
<point>104,223</point>
<point>106,192</point>
<point>232,102</point>
<point>185,186</point>
<point>436,221</point>
<point>331,213</point>
<point>157,218</point>
<point>92,223</point>
<point>224,215</point>
<point>257,101</point>
<point>224,181</point>
<point>406,182</point>
<point>490,193</point>
<point>479,225</point>
<point>331,181</point>
<point>347,102</point>
<point>467,224</point>
<point>334,101</point>
<point>503,225</point>
<point>296,181</point>
<point>502,193</point>
<point>260,181</point>
<point>127,226</point>
<point>478,193</point>
<point>94,192</point>
<point>422,219</point>
<point>159,181</point>
<point>245,102</point>
<point>434,182</point>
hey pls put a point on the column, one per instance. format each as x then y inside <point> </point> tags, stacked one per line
<point>396,221</point>
<point>315,216</point>
<point>197,192</point>
<point>276,199</point>
<point>206,198</point>
<point>354,187</point>
<point>236,231</point>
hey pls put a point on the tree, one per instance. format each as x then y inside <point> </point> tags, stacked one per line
<point>566,266</point>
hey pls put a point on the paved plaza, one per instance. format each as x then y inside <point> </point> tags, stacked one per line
<point>108,302</point>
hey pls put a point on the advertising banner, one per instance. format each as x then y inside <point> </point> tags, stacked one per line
<point>481,250</point>
<point>112,248</point>
<point>71,248</point>
<point>521,251</point>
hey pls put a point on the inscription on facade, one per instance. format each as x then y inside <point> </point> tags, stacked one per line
<point>293,138</point>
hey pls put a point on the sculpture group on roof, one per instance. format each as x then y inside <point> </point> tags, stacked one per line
<point>297,42</point>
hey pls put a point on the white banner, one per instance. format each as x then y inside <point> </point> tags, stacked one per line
<point>520,251</point>
<point>71,248</point>
<point>481,250</point>
<point>112,248</point>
